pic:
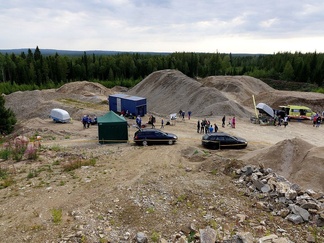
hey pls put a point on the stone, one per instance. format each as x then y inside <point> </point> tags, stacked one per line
<point>296,219</point>
<point>140,238</point>
<point>207,235</point>
<point>268,238</point>
<point>300,211</point>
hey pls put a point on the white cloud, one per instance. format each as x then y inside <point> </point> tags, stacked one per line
<point>164,25</point>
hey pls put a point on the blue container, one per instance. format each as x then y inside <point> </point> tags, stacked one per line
<point>123,103</point>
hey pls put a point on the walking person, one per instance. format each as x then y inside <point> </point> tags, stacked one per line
<point>189,115</point>
<point>223,121</point>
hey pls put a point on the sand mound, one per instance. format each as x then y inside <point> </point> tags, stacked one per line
<point>238,88</point>
<point>295,159</point>
<point>84,88</point>
<point>168,91</point>
<point>32,104</point>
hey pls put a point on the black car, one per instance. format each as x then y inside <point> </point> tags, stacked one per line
<point>154,136</point>
<point>221,140</point>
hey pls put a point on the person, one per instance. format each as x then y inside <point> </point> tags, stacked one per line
<point>84,121</point>
<point>189,115</point>
<point>229,122</point>
<point>207,126</point>
<point>88,121</point>
<point>211,129</point>
<point>202,127</point>
<point>233,122</point>
<point>223,121</point>
<point>198,126</point>
<point>139,121</point>
<point>94,121</point>
<point>315,119</point>
<point>318,121</point>
<point>152,121</point>
<point>183,115</point>
<point>285,121</point>
<point>162,123</point>
<point>216,127</point>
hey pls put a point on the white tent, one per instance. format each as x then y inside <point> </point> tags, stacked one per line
<point>264,108</point>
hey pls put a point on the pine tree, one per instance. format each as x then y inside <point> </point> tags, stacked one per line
<point>7,118</point>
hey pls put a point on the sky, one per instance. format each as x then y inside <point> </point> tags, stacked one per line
<point>227,26</point>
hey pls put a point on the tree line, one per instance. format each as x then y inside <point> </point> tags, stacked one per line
<point>32,70</point>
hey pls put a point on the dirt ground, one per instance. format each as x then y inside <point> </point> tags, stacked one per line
<point>158,190</point>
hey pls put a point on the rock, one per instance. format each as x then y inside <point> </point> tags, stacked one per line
<point>207,235</point>
<point>296,219</point>
<point>268,238</point>
<point>299,211</point>
<point>140,238</point>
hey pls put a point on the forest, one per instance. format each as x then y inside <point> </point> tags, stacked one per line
<point>32,70</point>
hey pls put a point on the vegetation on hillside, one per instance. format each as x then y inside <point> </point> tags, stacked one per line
<point>7,118</point>
<point>32,70</point>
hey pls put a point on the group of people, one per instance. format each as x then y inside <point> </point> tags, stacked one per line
<point>183,113</point>
<point>205,126</point>
<point>87,120</point>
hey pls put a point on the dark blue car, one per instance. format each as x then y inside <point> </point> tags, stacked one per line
<point>221,140</point>
<point>154,136</point>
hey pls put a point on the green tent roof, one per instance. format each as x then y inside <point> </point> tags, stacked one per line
<point>111,117</point>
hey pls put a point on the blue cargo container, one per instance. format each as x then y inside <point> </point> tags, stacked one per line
<point>121,103</point>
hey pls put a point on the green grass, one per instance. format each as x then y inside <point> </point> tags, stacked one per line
<point>56,215</point>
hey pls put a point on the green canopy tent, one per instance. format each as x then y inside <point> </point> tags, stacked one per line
<point>112,128</point>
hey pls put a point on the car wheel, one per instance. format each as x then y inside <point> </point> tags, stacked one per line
<point>144,143</point>
<point>170,142</point>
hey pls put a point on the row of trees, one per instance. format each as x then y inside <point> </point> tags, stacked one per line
<point>34,70</point>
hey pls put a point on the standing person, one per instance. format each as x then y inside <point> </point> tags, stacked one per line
<point>211,129</point>
<point>162,123</point>
<point>315,119</point>
<point>189,115</point>
<point>183,115</point>
<point>88,121</point>
<point>153,121</point>
<point>233,122</point>
<point>139,121</point>
<point>216,127</point>
<point>229,122</point>
<point>285,121</point>
<point>84,121</point>
<point>198,126</point>
<point>318,121</point>
<point>223,121</point>
<point>203,124</point>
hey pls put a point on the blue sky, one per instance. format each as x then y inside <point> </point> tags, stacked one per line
<point>231,26</point>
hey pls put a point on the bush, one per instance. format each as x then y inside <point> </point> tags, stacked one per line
<point>7,118</point>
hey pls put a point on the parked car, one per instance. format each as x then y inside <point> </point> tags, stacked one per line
<point>221,140</point>
<point>148,136</point>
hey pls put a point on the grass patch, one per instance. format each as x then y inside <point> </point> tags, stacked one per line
<point>5,154</point>
<point>76,164</point>
<point>56,215</point>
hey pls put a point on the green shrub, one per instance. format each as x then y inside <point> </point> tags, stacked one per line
<point>5,153</point>
<point>56,215</point>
